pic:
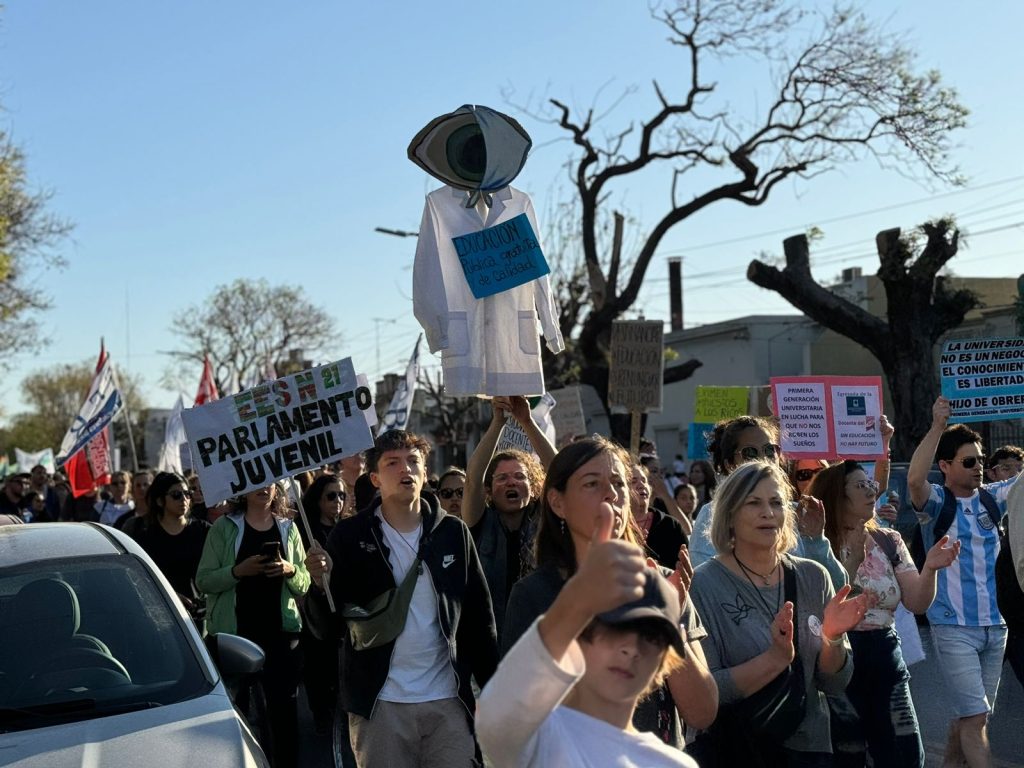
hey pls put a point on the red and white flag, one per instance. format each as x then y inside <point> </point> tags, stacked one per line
<point>90,467</point>
<point>207,391</point>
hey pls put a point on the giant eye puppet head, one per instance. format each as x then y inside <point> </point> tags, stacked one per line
<point>473,148</point>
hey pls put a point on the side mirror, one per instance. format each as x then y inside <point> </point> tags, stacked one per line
<point>237,659</point>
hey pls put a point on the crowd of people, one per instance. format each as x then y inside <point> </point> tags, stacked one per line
<point>591,607</point>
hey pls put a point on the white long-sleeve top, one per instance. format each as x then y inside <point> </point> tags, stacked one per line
<point>520,723</point>
<point>488,346</point>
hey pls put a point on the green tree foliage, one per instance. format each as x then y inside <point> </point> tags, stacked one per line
<point>54,397</point>
<point>28,235</point>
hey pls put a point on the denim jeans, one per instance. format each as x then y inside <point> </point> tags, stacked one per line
<point>971,660</point>
<point>880,692</point>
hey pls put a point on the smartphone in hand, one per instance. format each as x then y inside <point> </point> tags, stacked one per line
<point>271,551</point>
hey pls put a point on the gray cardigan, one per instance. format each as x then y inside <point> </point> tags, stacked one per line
<point>739,629</point>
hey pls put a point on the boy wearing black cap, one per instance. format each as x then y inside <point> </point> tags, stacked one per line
<point>565,693</point>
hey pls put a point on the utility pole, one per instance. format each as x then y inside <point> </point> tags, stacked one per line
<point>377,322</point>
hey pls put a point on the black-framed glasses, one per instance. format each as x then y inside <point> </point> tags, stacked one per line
<point>969,462</point>
<point>752,453</point>
<point>335,495</point>
<point>447,493</point>
<point>803,475</point>
<point>179,495</point>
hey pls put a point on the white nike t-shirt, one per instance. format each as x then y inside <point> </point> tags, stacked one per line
<point>420,666</point>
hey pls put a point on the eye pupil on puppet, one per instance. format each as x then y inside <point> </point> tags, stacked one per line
<point>467,152</point>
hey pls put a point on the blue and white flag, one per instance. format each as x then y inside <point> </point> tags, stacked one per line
<point>100,407</point>
<point>397,414</point>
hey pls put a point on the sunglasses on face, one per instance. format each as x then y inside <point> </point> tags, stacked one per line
<point>969,462</point>
<point>179,495</point>
<point>803,475</point>
<point>751,453</point>
<point>447,493</point>
<point>865,485</point>
<point>335,495</point>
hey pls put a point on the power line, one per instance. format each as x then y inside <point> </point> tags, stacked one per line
<point>845,217</point>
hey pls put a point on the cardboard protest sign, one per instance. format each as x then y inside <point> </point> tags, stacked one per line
<point>279,428</point>
<point>636,368</point>
<point>568,417</point>
<point>716,403</point>
<point>983,378</point>
<point>500,257</point>
<point>512,436</point>
<point>829,417</point>
<point>697,440</point>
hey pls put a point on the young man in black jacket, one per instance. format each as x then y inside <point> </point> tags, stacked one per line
<point>406,687</point>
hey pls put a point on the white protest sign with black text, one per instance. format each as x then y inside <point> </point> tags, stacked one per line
<point>277,429</point>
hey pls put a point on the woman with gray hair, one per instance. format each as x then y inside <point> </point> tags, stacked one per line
<point>776,630</point>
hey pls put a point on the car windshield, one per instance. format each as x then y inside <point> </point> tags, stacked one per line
<point>89,637</point>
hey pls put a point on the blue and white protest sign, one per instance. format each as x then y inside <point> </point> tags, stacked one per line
<point>501,257</point>
<point>983,378</point>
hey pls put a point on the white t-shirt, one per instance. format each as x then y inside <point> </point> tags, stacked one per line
<point>421,669</point>
<point>109,511</point>
<point>520,724</point>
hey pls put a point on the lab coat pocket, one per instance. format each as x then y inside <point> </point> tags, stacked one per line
<point>528,343</point>
<point>458,335</point>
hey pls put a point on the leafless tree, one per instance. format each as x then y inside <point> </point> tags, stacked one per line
<point>843,89</point>
<point>245,325</point>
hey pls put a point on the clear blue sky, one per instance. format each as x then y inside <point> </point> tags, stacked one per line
<point>196,142</point>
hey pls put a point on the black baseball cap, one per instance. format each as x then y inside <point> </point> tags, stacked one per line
<point>660,602</point>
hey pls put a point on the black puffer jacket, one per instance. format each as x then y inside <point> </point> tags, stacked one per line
<point>361,572</point>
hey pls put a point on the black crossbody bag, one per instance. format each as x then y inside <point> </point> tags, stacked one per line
<point>750,732</point>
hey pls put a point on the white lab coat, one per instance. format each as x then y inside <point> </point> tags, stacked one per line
<point>488,346</point>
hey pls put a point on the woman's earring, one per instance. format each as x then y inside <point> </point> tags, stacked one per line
<point>561,525</point>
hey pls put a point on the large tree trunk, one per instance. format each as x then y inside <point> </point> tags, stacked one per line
<point>913,388</point>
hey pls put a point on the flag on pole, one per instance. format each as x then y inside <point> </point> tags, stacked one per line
<point>90,466</point>
<point>207,391</point>
<point>174,437</point>
<point>101,405</point>
<point>397,414</point>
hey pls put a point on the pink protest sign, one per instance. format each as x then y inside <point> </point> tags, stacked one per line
<point>829,417</point>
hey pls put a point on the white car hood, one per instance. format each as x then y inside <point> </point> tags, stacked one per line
<point>199,732</point>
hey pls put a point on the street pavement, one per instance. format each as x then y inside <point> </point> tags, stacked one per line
<point>1006,729</point>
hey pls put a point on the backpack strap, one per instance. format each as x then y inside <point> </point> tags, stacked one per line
<point>988,501</point>
<point>948,511</point>
<point>887,545</point>
<point>946,514</point>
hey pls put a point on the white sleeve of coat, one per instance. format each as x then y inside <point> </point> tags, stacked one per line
<point>545,301</point>
<point>429,299</point>
<point>519,697</point>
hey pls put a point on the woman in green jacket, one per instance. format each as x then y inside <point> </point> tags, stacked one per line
<point>252,573</point>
